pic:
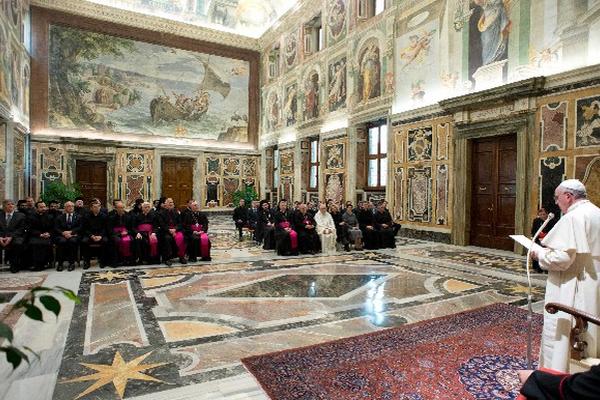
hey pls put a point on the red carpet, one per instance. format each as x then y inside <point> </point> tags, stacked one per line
<point>471,355</point>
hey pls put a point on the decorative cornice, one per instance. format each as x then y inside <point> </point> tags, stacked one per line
<point>417,114</point>
<point>142,21</point>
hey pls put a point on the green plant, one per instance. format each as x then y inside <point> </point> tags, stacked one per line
<point>248,194</point>
<point>15,355</point>
<point>61,192</point>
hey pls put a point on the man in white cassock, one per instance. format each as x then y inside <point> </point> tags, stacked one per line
<point>571,254</point>
<point>326,229</point>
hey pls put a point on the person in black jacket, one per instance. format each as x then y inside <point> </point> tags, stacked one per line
<point>41,227</point>
<point>265,228</point>
<point>542,385</point>
<point>54,209</point>
<point>67,229</point>
<point>253,218</point>
<point>240,216</point>
<point>286,238</point>
<point>95,236</point>
<point>366,223</point>
<point>195,225</point>
<point>120,228</point>
<point>171,238</point>
<point>384,224</point>
<point>12,234</point>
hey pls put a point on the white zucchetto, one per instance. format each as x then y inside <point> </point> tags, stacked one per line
<point>573,184</point>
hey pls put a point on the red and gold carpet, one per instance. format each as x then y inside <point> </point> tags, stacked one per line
<point>471,355</point>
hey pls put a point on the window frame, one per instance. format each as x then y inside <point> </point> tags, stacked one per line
<point>276,176</point>
<point>381,181</point>
<point>312,164</point>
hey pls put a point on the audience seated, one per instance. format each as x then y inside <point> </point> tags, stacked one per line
<point>341,229</point>
<point>366,222</point>
<point>352,228</point>
<point>120,227</point>
<point>240,216</point>
<point>147,227</point>
<point>385,226</point>
<point>265,228</point>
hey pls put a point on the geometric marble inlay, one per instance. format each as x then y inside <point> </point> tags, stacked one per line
<point>176,331</point>
<point>456,286</point>
<point>302,286</point>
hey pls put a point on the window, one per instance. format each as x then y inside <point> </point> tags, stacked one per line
<point>370,8</point>
<point>313,180</point>
<point>377,156</point>
<point>313,35</point>
<point>275,168</point>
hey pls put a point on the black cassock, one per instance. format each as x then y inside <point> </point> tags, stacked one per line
<point>196,221</point>
<point>308,239</point>
<point>370,236</point>
<point>40,247</point>
<point>148,252</point>
<point>386,235</point>
<point>283,239</point>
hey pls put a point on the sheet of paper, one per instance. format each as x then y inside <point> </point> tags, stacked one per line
<point>522,240</point>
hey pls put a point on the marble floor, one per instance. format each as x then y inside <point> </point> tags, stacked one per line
<point>179,332</point>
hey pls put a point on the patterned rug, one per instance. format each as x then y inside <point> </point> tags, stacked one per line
<point>474,354</point>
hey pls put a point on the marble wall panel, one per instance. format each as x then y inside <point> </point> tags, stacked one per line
<point>334,187</point>
<point>588,122</point>
<point>334,156</point>
<point>419,194</point>
<point>135,175</point>
<point>398,193</point>
<point>443,142</point>
<point>554,126</point>
<point>552,173</point>
<point>419,144</point>
<point>441,199</point>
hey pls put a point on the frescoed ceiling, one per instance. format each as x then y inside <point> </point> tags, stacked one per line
<point>249,18</point>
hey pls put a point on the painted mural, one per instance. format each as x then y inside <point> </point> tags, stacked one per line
<point>337,84</point>
<point>334,187</point>
<point>290,49</point>
<point>290,109</point>
<point>5,69</point>
<point>273,108</point>
<point>369,83</point>
<point>336,19</point>
<point>311,96</point>
<point>588,122</point>
<point>107,83</point>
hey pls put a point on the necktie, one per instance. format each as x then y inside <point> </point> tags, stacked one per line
<point>8,218</point>
<point>68,219</point>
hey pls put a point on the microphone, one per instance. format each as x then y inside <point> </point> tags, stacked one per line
<point>529,296</point>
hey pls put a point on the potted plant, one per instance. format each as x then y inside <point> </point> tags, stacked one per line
<point>248,194</point>
<point>61,192</point>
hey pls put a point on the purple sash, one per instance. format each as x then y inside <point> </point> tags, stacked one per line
<point>180,242</point>
<point>147,228</point>
<point>293,235</point>
<point>204,241</point>
<point>123,242</point>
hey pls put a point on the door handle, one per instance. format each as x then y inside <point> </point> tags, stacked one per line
<point>482,188</point>
<point>491,209</point>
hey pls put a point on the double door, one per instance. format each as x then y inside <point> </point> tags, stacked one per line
<point>178,180</point>
<point>493,201</point>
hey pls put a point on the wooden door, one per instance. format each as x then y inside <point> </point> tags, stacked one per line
<point>494,169</point>
<point>178,180</point>
<point>91,176</point>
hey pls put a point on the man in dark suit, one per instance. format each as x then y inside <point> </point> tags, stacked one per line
<point>67,229</point>
<point>41,226</point>
<point>12,234</point>
<point>240,216</point>
<point>253,218</point>
<point>95,236</point>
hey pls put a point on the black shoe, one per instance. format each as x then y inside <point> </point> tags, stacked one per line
<point>206,258</point>
<point>168,263</point>
<point>86,265</point>
<point>347,247</point>
<point>14,269</point>
<point>59,266</point>
<point>71,267</point>
<point>193,259</point>
<point>182,260</point>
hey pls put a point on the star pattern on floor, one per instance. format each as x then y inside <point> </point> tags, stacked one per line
<point>118,373</point>
<point>110,276</point>
<point>517,288</point>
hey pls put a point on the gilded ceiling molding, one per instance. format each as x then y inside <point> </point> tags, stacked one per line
<point>142,21</point>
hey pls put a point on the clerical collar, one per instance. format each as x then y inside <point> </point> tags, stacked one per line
<point>577,204</point>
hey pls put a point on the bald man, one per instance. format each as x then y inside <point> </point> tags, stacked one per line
<point>571,255</point>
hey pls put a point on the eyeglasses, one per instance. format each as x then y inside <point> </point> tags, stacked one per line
<point>556,196</point>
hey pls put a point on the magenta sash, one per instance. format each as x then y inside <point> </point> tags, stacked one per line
<point>147,228</point>
<point>180,242</point>
<point>293,235</point>
<point>204,241</point>
<point>123,242</point>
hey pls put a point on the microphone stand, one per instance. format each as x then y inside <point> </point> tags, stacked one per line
<point>529,290</point>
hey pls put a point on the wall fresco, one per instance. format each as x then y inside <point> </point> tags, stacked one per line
<point>337,84</point>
